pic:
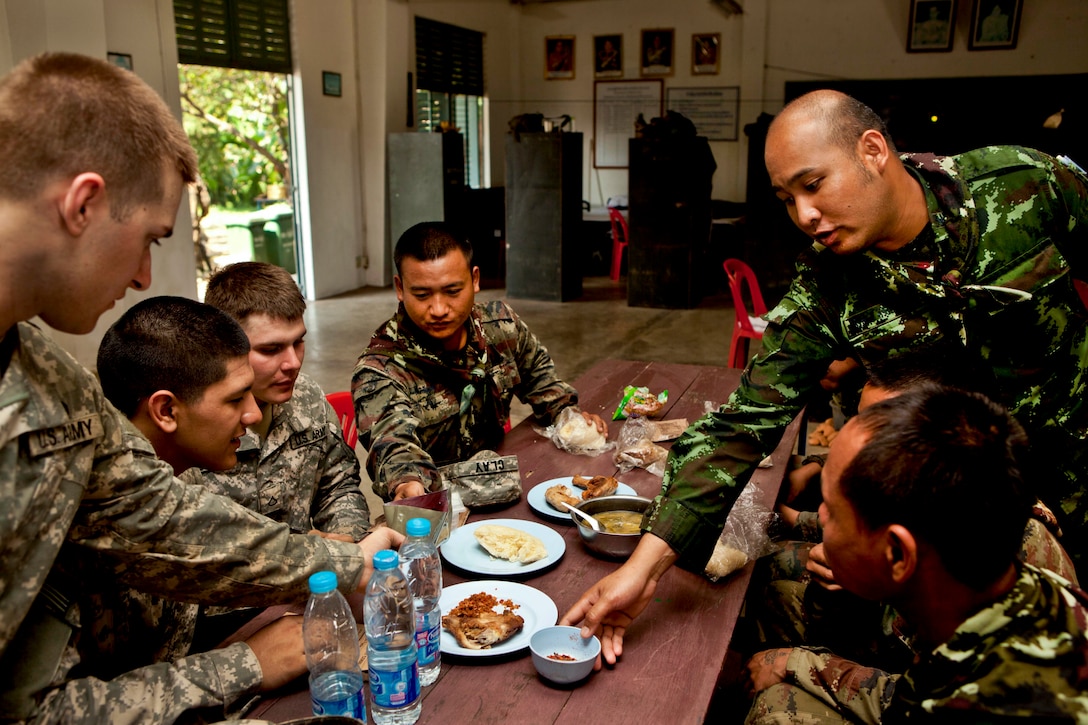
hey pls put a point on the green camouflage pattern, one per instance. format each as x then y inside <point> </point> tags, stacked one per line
<point>1025,655</point>
<point>67,478</point>
<point>419,407</point>
<point>303,473</point>
<point>1004,217</point>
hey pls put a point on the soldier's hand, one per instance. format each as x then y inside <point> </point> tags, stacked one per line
<point>766,669</point>
<point>818,567</point>
<point>278,647</point>
<point>409,489</point>
<point>334,537</point>
<point>378,539</point>
<point>595,420</point>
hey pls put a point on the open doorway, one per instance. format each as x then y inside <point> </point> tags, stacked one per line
<point>242,207</point>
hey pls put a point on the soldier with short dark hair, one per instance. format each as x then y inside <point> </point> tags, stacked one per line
<point>978,249</point>
<point>434,385</point>
<point>996,638</point>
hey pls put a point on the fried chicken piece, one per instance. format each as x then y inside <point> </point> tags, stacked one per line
<point>560,497</point>
<point>475,624</point>
<point>597,486</point>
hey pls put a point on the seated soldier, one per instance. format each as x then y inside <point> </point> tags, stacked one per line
<point>435,384</point>
<point>179,371</point>
<point>924,507</point>
<point>293,464</point>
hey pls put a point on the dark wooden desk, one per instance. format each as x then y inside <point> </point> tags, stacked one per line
<point>675,651</point>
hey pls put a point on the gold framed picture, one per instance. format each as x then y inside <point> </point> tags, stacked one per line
<point>656,56</point>
<point>608,56</point>
<point>705,58</point>
<point>559,57</point>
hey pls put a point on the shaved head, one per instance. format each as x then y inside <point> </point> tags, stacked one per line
<point>843,118</point>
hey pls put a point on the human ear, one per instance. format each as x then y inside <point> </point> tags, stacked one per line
<point>900,553</point>
<point>874,149</point>
<point>162,410</point>
<point>475,279</point>
<point>84,198</point>
<point>398,284</point>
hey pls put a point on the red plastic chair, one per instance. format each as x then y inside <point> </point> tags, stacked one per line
<point>344,406</point>
<point>747,326</point>
<point>619,241</point>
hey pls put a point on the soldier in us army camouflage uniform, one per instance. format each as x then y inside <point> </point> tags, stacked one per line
<point>434,385</point>
<point>112,179</point>
<point>294,465</point>
<point>979,248</point>
<point>996,638</point>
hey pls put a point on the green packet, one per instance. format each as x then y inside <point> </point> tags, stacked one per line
<point>639,402</point>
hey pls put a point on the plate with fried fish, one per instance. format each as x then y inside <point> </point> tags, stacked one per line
<point>492,617</point>
<point>537,498</point>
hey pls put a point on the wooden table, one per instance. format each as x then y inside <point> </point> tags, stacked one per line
<point>675,651</point>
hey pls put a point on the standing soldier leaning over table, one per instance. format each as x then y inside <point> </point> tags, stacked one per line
<point>981,248</point>
<point>95,165</point>
<point>435,384</point>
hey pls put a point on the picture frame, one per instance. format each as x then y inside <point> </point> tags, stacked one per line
<point>713,110</point>
<point>995,24</point>
<point>330,83</point>
<point>931,26</point>
<point>559,57</point>
<point>656,56</point>
<point>616,106</point>
<point>705,53</point>
<point>608,56</point>
<point>121,60</point>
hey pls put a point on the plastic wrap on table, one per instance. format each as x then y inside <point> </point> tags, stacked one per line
<point>744,538</point>
<point>571,432</point>
<point>639,402</point>
<point>635,448</point>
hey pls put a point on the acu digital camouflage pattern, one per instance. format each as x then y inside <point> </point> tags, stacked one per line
<point>1001,217</point>
<point>67,478</point>
<point>486,479</point>
<point>303,474</point>
<point>1026,655</point>
<point>419,407</point>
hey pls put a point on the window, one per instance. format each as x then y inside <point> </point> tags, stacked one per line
<point>450,87</point>
<point>247,34</point>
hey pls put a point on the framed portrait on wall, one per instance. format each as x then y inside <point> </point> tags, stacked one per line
<point>656,55</point>
<point>995,24</point>
<point>608,56</point>
<point>931,26</point>
<point>559,57</point>
<point>121,60</point>
<point>704,53</point>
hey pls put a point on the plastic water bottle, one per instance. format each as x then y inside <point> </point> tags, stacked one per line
<point>390,623</point>
<point>331,640</point>
<point>421,566</point>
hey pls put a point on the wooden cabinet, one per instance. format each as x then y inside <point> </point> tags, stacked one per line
<point>544,216</point>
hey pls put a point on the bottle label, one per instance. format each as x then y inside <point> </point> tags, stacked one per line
<point>338,693</point>
<point>428,640</point>
<point>397,688</point>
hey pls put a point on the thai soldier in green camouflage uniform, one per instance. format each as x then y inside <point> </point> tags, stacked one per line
<point>294,465</point>
<point>95,166</point>
<point>435,384</point>
<point>996,638</point>
<point>978,248</point>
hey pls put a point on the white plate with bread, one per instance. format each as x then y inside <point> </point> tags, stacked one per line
<point>499,547</point>
<point>533,607</point>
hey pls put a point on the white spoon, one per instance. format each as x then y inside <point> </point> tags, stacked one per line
<point>593,523</point>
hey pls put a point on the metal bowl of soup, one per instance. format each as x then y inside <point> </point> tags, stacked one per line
<point>620,518</point>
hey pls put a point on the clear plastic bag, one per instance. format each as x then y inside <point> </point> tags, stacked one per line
<point>635,448</point>
<point>571,432</point>
<point>744,538</point>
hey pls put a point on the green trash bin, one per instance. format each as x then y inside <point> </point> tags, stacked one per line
<point>286,225</point>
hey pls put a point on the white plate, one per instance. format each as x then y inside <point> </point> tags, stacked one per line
<point>464,551</point>
<point>534,606</point>
<point>537,502</point>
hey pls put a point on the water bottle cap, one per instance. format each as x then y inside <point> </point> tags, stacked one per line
<point>386,559</point>
<point>418,527</point>
<point>322,581</point>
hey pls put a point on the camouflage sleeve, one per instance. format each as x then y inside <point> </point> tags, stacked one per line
<point>864,692</point>
<point>387,429</point>
<point>710,463</point>
<point>1073,184</point>
<point>339,506</point>
<point>222,679</point>
<point>160,530</point>
<point>540,387</point>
